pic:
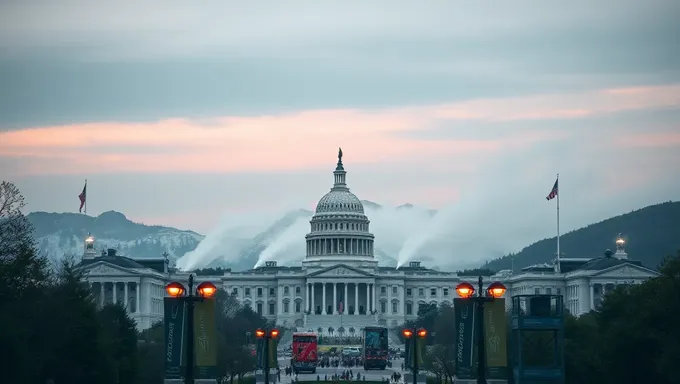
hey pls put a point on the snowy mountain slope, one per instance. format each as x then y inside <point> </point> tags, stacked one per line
<point>59,234</point>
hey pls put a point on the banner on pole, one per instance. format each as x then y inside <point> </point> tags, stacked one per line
<point>495,335</point>
<point>205,342</point>
<point>465,338</point>
<point>175,327</point>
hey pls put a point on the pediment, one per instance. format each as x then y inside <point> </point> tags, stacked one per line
<point>340,270</point>
<point>106,269</point>
<point>627,270</point>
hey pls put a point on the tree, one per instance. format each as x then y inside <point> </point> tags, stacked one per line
<point>118,338</point>
<point>352,330</point>
<point>150,355</point>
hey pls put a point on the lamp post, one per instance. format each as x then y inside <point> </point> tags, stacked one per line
<point>266,336</point>
<point>204,291</point>
<point>412,336</point>
<point>493,292</point>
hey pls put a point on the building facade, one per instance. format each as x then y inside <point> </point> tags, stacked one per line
<point>339,282</point>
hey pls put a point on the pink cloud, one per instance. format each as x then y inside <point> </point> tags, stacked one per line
<point>303,140</point>
<point>652,139</point>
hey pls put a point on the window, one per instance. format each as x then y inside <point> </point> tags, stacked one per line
<point>394,307</point>
<point>433,292</point>
<point>408,292</point>
<point>548,291</point>
<point>421,292</point>
<point>394,290</point>
<point>234,291</point>
<point>272,309</point>
<point>259,308</point>
<point>297,290</point>
<point>383,290</point>
<point>409,308</point>
<point>247,291</point>
<point>537,291</point>
<point>446,291</point>
<point>382,307</point>
<point>272,291</point>
<point>286,290</point>
<point>559,291</point>
<point>297,307</point>
<point>285,307</point>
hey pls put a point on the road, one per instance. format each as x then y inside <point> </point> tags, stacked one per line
<point>322,372</point>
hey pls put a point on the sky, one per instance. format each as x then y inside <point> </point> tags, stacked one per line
<point>184,113</point>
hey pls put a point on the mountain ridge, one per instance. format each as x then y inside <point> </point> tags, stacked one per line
<point>651,233</point>
<point>650,229</point>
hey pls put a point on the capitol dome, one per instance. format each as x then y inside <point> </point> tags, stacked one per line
<point>339,229</point>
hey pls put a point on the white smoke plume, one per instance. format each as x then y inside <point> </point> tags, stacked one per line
<point>289,246</point>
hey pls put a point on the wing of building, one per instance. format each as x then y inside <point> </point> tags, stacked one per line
<point>339,282</point>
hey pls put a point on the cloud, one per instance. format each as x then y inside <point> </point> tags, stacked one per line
<point>303,140</point>
<point>75,62</point>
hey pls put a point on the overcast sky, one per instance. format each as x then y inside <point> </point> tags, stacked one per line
<point>183,113</point>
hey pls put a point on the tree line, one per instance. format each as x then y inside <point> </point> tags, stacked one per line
<point>632,338</point>
<point>52,331</point>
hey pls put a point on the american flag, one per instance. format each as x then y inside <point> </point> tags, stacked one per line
<point>83,197</point>
<point>340,307</point>
<point>553,192</point>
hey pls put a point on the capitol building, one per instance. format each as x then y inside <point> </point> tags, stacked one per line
<point>339,282</point>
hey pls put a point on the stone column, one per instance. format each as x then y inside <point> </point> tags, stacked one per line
<point>102,293</point>
<point>138,303</point>
<point>356,299</point>
<point>335,298</point>
<point>279,299</point>
<point>312,287</point>
<point>345,302</point>
<point>307,304</point>
<point>592,296</point>
<point>323,298</point>
<point>115,286</point>
<point>368,299</point>
<point>125,292</point>
<point>374,298</point>
<point>265,297</point>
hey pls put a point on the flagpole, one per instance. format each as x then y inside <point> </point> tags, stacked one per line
<point>558,223</point>
<point>86,198</point>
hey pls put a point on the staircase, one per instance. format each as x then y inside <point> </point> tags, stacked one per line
<point>336,321</point>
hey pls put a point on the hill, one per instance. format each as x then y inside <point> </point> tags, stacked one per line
<point>57,234</point>
<point>653,231</point>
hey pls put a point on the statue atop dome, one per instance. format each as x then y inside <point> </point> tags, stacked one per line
<point>339,155</point>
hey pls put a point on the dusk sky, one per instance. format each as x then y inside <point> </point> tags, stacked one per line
<point>184,113</point>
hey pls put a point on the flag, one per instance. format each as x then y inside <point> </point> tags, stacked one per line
<point>340,307</point>
<point>553,192</point>
<point>83,197</point>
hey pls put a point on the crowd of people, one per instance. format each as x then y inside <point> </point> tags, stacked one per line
<point>340,340</point>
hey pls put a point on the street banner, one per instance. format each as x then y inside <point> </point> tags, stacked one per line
<point>495,333</point>
<point>205,342</point>
<point>408,360</point>
<point>271,353</point>
<point>175,320</point>
<point>465,338</point>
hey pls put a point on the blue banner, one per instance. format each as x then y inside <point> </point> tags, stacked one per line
<point>465,311</point>
<point>175,326</point>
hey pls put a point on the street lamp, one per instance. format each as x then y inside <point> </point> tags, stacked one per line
<point>414,337</point>
<point>266,336</point>
<point>495,291</point>
<point>205,290</point>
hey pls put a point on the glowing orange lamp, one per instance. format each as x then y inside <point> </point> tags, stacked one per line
<point>407,333</point>
<point>465,290</point>
<point>260,333</point>
<point>175,289</point>
<point>422,333</point>
<point>274,333</point>
<point>496,290</point>
<point>206,289</point>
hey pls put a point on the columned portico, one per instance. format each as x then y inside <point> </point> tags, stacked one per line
<point>350,293</point>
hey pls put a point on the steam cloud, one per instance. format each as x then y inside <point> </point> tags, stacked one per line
<point>288,246</point>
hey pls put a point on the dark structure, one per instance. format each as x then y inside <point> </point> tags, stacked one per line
<point>538,327</point>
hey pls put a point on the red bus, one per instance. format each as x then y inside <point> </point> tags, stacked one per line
<point>304,354</point>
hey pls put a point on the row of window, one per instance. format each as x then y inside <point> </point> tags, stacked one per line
<point>272,291</point>
<point>339,226</point>
<point>272,307</point>
<point>421,291</point>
